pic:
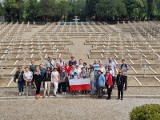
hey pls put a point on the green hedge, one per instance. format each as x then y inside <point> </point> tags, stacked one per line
<point>146,112</point>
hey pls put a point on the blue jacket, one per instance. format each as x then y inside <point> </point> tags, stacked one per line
<point>101,80</point>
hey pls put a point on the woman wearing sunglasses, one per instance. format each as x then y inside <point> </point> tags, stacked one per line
<point>120,81</point>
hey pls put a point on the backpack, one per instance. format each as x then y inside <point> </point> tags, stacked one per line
<point>125,65</point>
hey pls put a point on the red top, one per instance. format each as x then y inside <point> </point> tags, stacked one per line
<point>68,69</point>
<point>109,79</point>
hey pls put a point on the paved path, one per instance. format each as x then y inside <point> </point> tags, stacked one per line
<point>132,92</point>
<point>65,109</point>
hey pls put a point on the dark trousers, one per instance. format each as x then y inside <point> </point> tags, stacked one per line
<point>120,91</point>
<point>68,85</point>
<point>100,90</point>
<point>59,87</point>
<point>64,86</point>
<point>109,91</point>
<point>38,86</point>
<point>113,80</point>
<point>84,91</point>
<point>125,82</point>
<point>20,86</point>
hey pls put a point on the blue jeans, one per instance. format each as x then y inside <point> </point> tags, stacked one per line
<point>92,87</point>
<point>20,86</point>
<point>100,90</point>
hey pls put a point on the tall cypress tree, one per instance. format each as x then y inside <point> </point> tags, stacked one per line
<point>150,9</point>
<point>90,8</point>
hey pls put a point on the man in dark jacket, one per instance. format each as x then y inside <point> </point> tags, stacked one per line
<point>18,77</point>
<point>120,81</point>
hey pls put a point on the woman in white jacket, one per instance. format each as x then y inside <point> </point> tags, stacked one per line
<point>55,77</point>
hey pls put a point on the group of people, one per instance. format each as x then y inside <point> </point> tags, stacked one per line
<point>57,73</point>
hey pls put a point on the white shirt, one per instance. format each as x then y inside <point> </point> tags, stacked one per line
<point>54,76</point>
<point>80,66</point>
<point>103,70</point>
<point>28,75</point>
<point>113,66</point>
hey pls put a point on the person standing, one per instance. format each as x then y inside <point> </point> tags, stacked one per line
<point>37,79</point>
<point>96,65</point>
<point>92,80</point>
<point>80,63</point>
<point>72,61</point>
<point>64,78</point>
<point>102,68</point>
<point>68,70</point>
<point>62,64</point>
<point>28,76</point>
<point>112,66</point>
<point>50,63</point>
<point>101,83</point>
<point>32,68</point>
<point>47,82</point>
<point>124,69</point>
<point>120,81</point>
<point>55,77</point>
<point>83,75</point>
<point>18,77</point>
<point>109,84</point>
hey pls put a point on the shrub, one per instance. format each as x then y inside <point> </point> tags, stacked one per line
<point>146,112</point>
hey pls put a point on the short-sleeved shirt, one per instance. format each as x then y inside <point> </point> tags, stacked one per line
<point>54,76</point>
<point>113,66</point>
<point>96,67</point>
<point>124,68</point>
<point>28,75</point>
<point>72,62</point>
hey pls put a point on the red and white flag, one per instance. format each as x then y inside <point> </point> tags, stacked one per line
<point>79,84</point>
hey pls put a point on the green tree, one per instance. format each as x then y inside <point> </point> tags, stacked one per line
<point>156,11</point>
<point>78,9</point>
<point>90,9</point>
<point>121,9</point>
<point>31,10</point>
<point>46,9</point>
<point>136,9</point>
<point>14,10</point>
<point>106,9</point>
<point>1,10</point>
<point>150,9</point>
<point>62,10</point>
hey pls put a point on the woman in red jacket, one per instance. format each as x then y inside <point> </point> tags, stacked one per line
<point>109,83</point>
<point>68,69</point>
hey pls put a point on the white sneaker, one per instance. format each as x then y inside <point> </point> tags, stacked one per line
<point>19,94</point>
<point>22,93</point>
<point>64,93</point>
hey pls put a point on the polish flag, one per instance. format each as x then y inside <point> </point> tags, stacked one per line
<point>79,84</point>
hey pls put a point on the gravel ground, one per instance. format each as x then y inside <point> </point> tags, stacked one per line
<point>131,91</point>
<point>65,109</point>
